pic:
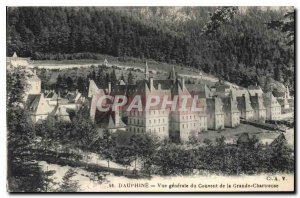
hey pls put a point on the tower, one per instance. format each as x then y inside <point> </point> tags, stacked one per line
<point>146,72</point>
<point>286,104</point>
<point>172,75</point>
<point>287,92</point>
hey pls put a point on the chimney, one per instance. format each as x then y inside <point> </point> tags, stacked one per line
<point>109,87</point>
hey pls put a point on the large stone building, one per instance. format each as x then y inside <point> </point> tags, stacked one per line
<point>256,98</point>
<point>215,113</point>
<point>231,112</point>
<point>273,108</point>
<point>167,123</point>
<point>244,104</point>
<point>220,106</point>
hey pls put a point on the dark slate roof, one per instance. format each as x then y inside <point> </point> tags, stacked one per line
<point>30,99</point>
<point>278,94</point>
<point>164,84</point>
<point>33,102</point>
<point>269,99</point>
<point>221,87</point>
<point>214,104</point>
<point>199,89</point>
<point>255,90</point>
<point>257,102</point>
<point>230,104</point>
<point>244,102</point>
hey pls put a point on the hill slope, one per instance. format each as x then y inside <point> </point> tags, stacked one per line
<point>241,51</point>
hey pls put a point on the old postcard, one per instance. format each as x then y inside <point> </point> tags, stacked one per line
<point>150,99</point>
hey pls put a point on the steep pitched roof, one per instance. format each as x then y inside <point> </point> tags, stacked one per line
<point>32,101</point>
<point>244,102</point>
<point>201,90</point>
<point>164,84</point>
<point>39,106</point>
<point>214,105</point>
<point>230,104</point>
<point>257,102</point>
<point>253,90</point>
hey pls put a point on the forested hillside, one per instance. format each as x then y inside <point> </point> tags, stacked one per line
<point>244,50</point>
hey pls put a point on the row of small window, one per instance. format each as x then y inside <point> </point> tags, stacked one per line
<point>153,112</point>
<point>187,117</point>
<point>276,111</point>
<point>133,121</point>
<point>138,130</point>
<point>155,121</point>
<point>192,124</point>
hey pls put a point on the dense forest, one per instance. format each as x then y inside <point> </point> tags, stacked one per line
<point>250,47</point>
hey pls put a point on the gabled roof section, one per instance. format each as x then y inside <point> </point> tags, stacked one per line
<point>32,101</point>
<point>244,103</point>
<point>257,102</point>
<point>253,90</point>
<point>201,90</point>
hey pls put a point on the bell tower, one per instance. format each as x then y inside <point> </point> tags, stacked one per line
<point>146,72</point>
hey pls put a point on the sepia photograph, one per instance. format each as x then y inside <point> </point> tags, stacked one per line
<point>150,99</point>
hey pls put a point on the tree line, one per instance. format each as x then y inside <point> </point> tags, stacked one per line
<point>244,49</point>
<point>100,76</point>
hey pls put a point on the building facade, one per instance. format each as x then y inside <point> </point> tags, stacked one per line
<point>220,107</point>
